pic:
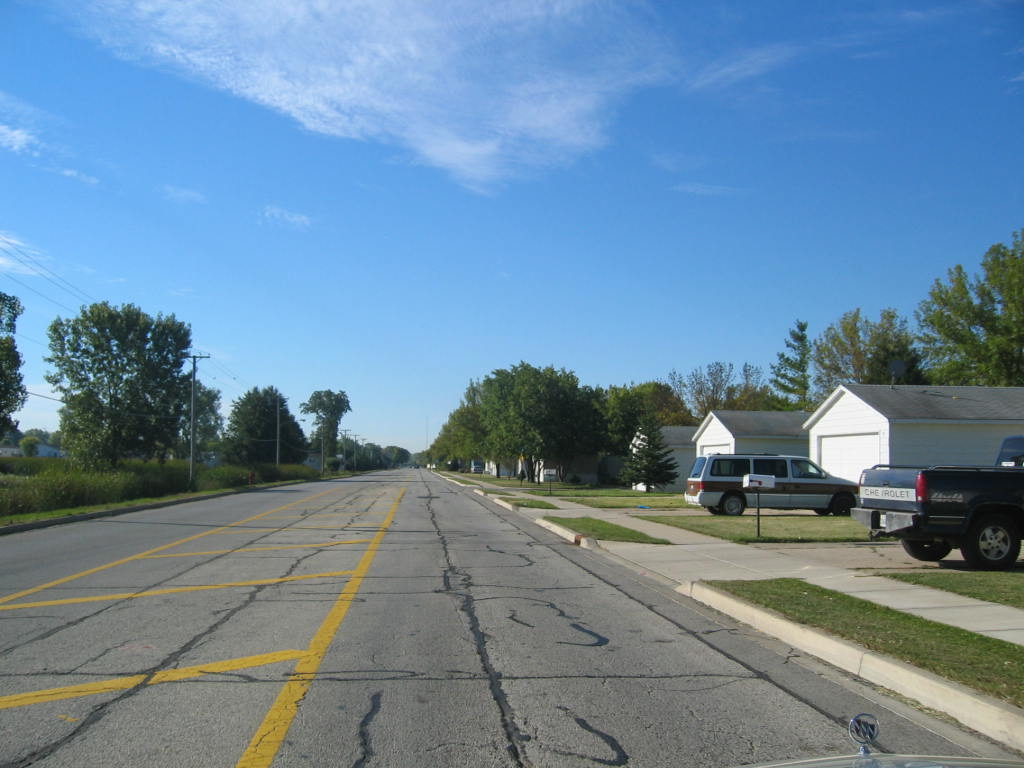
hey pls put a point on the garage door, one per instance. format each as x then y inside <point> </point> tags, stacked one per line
<point>847,455</point>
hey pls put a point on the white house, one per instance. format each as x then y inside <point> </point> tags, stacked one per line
<point>860,425</point>
<point>752,432</point>
<point>680,441</point>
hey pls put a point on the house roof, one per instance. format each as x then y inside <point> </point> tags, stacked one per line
<point>757,423</point>
<point>921,403</point>
<point>678,436</point>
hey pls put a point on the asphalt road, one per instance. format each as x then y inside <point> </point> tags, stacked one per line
<point>393,620</point>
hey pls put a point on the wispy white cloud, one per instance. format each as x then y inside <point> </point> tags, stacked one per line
<point>707,190</point>
<point>183,195</point>
<point>484,91</point>
<point>745,65</point>
<point>17,139</point>
<point>11,245</point>
<point>277,215</point>
<point>85,178</point>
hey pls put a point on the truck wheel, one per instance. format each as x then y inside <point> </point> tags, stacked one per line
<point>841,505</point>
<point>732,504</point>
<point>929,551</point>
<point>992,543</point>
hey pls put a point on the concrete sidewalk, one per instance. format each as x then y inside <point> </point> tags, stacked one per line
<point>691,560</point>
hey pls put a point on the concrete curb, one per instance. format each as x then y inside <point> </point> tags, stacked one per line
<point>993,718</point>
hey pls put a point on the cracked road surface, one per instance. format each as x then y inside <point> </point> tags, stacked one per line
<point>391,619</point>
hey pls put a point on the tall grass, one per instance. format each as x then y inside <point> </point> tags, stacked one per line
<point>38,485</point>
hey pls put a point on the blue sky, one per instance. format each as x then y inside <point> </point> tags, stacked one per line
<point>394,197</point>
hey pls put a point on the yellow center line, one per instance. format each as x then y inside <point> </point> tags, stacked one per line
<point>66,579</point>
<point>271,733</point>
<point>166,676</point>
<point>170,591</point>
<point>257,549</point>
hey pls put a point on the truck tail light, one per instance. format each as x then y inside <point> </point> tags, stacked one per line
<point>921,486</point>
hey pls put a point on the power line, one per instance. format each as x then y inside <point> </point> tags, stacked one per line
<point>29,261</point>
<point>39,293</point>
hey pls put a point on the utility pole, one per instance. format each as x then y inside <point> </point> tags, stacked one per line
<point>344,437</point>
<point>192,426</point>
<point>277,455</point>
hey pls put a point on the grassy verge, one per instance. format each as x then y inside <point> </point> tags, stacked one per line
<point>993,667</point>
<point>1005,587</point>
<point>650,501</point>
<point>775,529</point>
<point>519,501</point>
<point>599,529</point>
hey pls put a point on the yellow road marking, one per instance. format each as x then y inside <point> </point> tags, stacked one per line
<point>170,591</point>
<point>166,676</point>
<point>257,549</point>
<point>66,579</point>
<point>271,733</point>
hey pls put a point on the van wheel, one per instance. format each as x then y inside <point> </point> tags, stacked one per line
<point>841,505</point>
<point>928,551</point>
<point>732,504</point>
<point>992,543</point>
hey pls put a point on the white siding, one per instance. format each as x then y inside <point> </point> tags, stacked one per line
<point>851,418</point>
<point>949,443</point>
<point>715,439</point>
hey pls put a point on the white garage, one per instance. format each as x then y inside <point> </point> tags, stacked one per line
<point>860,425</point>
<point>752,432</point>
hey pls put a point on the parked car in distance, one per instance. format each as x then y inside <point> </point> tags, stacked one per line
<point>716,483</point>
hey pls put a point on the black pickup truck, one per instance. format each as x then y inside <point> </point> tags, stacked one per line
<point>933,509</point>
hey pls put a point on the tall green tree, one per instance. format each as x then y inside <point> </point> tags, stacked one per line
<point>12,387</point>
<point>251,436</point>
<point>973,328</point>
<point>327,408</point>
<point>860,351</point>
<point>541,413</point>
<point>625,406</point>
<point>119,372</point>
<point>791,373</point>
<point>650,463</point>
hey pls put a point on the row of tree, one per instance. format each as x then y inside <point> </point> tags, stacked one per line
<point>970,331</point>
<point>126,392</point>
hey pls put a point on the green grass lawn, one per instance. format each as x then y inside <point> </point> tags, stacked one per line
<point>774,528</point>
<point>519,501</point>
<point>649,500</point>
<point>1006,587</point>
<point>599,529</point>
<point>993,667</point>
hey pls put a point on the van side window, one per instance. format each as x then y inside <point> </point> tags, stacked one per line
<point>804,468</point>
<point>775,467</point>
<point>730,467</point>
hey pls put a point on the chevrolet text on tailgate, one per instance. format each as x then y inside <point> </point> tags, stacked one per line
<point>934,509</point>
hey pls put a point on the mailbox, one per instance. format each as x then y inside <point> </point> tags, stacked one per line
<point>758,482</point>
